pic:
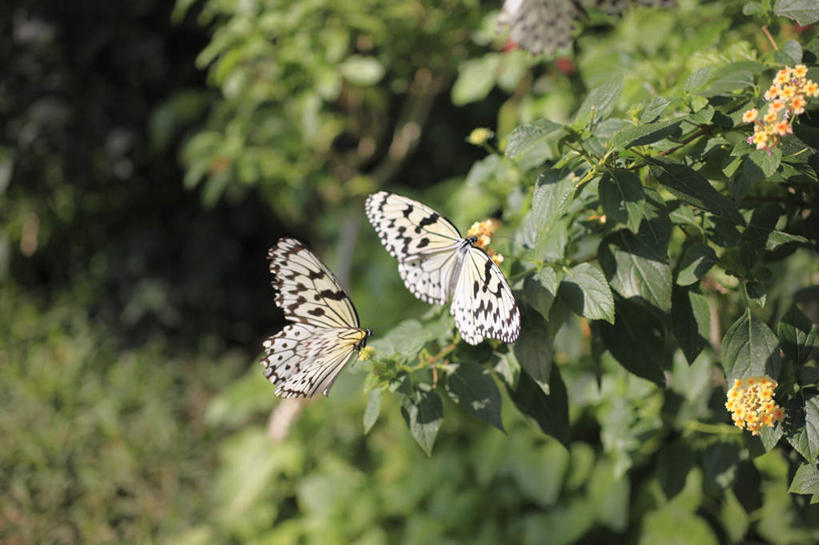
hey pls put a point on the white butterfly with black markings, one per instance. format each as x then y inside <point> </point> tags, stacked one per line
<point>437,263</point>
<point>539,26</point>
<point>307,355</point>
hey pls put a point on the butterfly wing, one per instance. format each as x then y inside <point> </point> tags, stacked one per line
<point>483,304</point>
<point>307,291</point>
<point>306,356</point>
<point>539,26</point>
<point>422,240</point>
<point>429,279</point>
<point>409,229</point>
<point>302,360</point>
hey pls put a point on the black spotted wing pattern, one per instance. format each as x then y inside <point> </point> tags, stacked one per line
<point>307,355</point>
<point>483,304</point>
<point>539,26</point>
<point>437,264</point>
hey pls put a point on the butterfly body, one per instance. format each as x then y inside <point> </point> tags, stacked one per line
<point>437,264</point>
<point>307,355</point>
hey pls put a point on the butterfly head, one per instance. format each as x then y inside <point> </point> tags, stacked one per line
<point>363,341</point>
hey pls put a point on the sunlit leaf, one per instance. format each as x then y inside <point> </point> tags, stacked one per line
<point>423,412</point>
<point>586,292</point>
<point>372,410</point>
<point>804,12</point>
<point>750,349</point>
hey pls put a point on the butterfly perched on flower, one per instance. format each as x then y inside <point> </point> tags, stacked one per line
<point>307,355</point>
<point>437,263</point>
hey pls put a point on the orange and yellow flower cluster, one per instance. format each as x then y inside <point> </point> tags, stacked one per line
<point>752,405</point>
<point>786,99</point>
<point>482,231</point>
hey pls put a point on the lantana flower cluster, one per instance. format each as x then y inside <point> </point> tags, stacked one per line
<point>751,404</point>
<point>483,231</point>
<point>787,98</point>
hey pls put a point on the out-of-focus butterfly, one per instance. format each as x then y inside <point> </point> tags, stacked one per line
<point>437,263</point>
<point>539,26</point>
<point>544,26</point>
<point>307,355</point>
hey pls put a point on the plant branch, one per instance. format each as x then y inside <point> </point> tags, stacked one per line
<point>407,133</point>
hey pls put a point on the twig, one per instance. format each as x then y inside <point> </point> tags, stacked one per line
<point>422,92</point>
<point>770,38</point>
<point>282,417</point>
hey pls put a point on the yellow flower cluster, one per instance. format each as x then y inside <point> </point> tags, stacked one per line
<point>752,405</point>
<point>786,99</point>
<point>483,231</point>
<point>366,353</point>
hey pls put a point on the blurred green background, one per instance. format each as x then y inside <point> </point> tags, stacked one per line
<point>151,152</point>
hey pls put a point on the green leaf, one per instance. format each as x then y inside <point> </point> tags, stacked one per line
<point>523,138</point>
<point>804,12</point>
<point>600,101</point>
<point>635,270</point>
<point>775,239</point>
<point>423,413</point>
<point>702,116</point>
<point>690,321</point>
<point>551,199</point>
<point>508,368</point>
<point>806,442</point>
<point>586,292</point>
<point>540,290</point>
<point>756,166</point>
<point>733,76</point>
<point>622,197</point>
<point>720,463</point>
<point>767,161</point>
<point>636,341</point>
<point>654,109</point>
<point>696,261</point>
<point>534,349</point>
<point>770,437</point>
<point>364,71</point>
<point>471,386</point>
<point>483,171</point>
<point>798,336</point>
<point>793,50</point>
<point>646,134</point>
<point>655,229</point>
<point>806,480</point>
<point>610,496</point>
<point>673,464</point>
<point>698,80</point>
<point>373,410</point>
<point>693,188</point>
<point>750,349</point>
<point>538,469</point>
<point>476,77</point>
<point>405,340</point>
<point>551,412</point>
<point>672,524</point>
